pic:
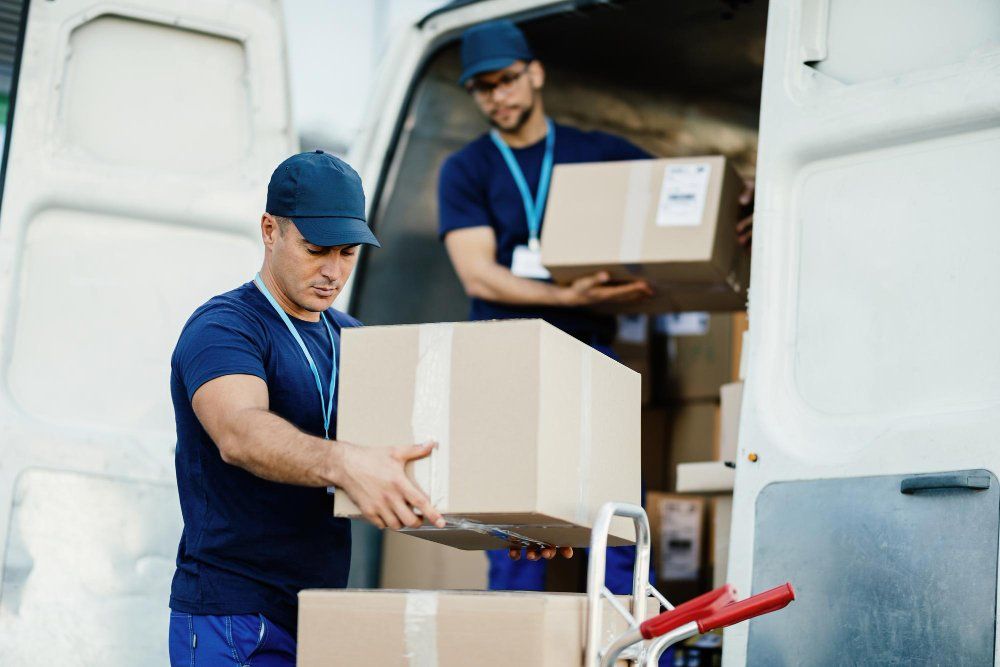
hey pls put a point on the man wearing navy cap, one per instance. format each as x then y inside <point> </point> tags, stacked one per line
<point>254,387</point>
<point>491,197</point>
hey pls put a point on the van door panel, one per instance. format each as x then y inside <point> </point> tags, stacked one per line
<point>143,137</point>
<point>871,349</point>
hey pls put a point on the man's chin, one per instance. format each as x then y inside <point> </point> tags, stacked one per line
<point>317,304</point>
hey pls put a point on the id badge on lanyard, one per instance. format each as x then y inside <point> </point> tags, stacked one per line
<point>325,405</point>
<point>527,259</point>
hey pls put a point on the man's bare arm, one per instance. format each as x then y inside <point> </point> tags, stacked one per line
<point>473,251</point>
<point>233,409</point>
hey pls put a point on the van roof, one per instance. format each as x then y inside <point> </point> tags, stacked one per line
<point>454,4</point>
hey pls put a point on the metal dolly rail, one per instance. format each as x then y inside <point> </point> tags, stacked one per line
<point>644,642</point>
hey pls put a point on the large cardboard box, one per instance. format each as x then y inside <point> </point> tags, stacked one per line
<point>447,629</point>
<point>697,365</point>
<point>409,563</point>
<point>631,346</point>
<point>692,429</point>
<point>671,222</point>
<point>535,430</point>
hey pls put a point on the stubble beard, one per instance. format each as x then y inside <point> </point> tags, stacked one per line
<point>521,119</point>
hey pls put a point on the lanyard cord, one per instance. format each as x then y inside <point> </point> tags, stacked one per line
<point>533,210</point>
<point>326,407</point>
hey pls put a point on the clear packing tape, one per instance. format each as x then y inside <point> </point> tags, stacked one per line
<point>636,213</point>
<point>420,629</point>
<point>501,531</point>
<point>431,415</point>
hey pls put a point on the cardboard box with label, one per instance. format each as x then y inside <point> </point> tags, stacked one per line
<point>671,222</point>
<point>535,430</point>
<point>677,524</point>
<point>447,629</point>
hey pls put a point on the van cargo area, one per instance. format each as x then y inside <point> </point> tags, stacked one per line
<point>676,78</point>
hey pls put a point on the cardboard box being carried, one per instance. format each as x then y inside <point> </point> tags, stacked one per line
<point>671,222</point>
<point>447,629</point>
<point>535,430</point>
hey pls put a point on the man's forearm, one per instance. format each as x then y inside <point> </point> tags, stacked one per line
<point>270,447</point>
<point>497,283</point>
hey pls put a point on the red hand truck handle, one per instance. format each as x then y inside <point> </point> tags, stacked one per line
<point>701,606</point>
<point>762,603</point>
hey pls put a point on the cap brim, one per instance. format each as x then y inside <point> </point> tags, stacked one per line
<point>483,66</point>
<point>336,231</point>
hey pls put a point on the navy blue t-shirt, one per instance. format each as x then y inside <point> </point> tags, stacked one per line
<point>476,189</point>
<point>250,545</point>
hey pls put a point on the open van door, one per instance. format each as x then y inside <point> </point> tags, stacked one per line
<point>141,140</point>
<point>872,403</point>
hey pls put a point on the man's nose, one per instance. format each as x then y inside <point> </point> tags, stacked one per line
<point>331,268</point>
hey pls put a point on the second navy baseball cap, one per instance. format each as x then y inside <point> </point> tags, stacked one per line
<point>489,47</point>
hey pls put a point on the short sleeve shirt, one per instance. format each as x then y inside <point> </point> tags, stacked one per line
<point>250,545</point>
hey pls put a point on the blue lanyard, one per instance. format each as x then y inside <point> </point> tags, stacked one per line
<point>326,407</point>
<point>532,209</point>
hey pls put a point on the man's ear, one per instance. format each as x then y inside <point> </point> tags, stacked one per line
<point>536,74</point>
<point>268,229</point>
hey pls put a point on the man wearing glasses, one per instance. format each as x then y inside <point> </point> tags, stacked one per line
<point>491,200</point>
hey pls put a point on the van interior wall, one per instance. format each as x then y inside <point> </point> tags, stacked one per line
<point>677,78</point>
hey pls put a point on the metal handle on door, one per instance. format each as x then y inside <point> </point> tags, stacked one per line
<point>949,481</point>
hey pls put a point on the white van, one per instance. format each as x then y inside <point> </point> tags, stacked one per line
<point>142,135</point>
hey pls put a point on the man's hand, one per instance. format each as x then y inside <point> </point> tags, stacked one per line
<point>744,228</point>
<point>473,253</point>
<point>375,480</point>
<point>592,290</point>
<point>533,553</point>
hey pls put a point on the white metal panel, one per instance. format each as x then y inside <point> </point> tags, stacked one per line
<point>871,347</point>
<point>144,135</point>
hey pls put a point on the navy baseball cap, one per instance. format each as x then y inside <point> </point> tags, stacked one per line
<point>489,47</point>
<point>322,195</point>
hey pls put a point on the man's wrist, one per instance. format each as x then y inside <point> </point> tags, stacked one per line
<point>333,468</point>
<point>562,296</point>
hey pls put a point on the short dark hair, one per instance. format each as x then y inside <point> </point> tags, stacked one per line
<point>282,222</point>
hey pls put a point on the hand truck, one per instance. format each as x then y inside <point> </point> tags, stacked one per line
<point>645,641</point>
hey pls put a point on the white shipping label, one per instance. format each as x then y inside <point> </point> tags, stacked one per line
<point>527,263</point>
<point>682,198</point>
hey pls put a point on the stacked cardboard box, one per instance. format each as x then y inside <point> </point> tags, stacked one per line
<point>678,526</point>
<point>695,430</point>
<point>535,430</point>
<point>410,563</point>
<point>631,346</point>
<point>671,222</point>
<point>447,629</point>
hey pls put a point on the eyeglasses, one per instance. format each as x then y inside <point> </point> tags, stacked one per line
<point>485,89</point>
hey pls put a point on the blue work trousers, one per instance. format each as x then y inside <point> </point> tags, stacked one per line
<point>244,640</point>
<point>526,575</point>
